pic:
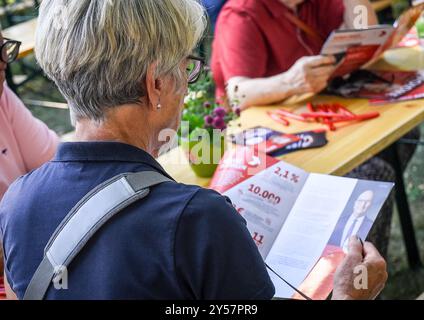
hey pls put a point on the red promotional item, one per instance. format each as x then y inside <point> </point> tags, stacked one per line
<point>264,139</point>
<point>238,165</point>
<point>362,47</point>
<point>355,57</point>
<point>328,114</point>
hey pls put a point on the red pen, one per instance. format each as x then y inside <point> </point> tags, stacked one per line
<point>290,115</point>
<point>321,115</point>
<point>345,110</point>
<point>333,108</point>
<point>323,107</point>
<point>358,117</point>
<point>330,124</point>
<point>278,118</point>
<point>341,117</point>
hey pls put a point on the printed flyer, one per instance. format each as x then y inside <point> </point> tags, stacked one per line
<point>360,48</point>
<point>300,221</point>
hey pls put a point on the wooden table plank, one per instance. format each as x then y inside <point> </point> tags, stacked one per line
<point>24,32</point>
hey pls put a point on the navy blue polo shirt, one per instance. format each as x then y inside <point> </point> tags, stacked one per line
<point>181,242</point>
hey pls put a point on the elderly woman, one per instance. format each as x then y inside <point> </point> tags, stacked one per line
<point>122,66</point>
<point>25,142</point>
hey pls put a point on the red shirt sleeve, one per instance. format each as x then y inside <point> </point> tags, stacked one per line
<point>241,46</point>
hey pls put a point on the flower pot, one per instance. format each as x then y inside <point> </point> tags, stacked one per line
<point>204,155</point>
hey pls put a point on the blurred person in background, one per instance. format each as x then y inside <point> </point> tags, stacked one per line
<point>25,142</point>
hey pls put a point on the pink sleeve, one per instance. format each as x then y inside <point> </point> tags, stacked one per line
<point>36,142</point>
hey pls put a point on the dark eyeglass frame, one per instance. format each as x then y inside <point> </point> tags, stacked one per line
<point>7,41</point>
<point>194,76</point>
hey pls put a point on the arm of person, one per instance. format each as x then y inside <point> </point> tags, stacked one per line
<point>308,75</point>
<point>36,142</point>
<point>351,13</point>
<point>245,92</point>
<point>242,55</point>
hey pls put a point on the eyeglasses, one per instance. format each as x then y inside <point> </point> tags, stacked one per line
<point>9,50</point>
<point>195,68</point>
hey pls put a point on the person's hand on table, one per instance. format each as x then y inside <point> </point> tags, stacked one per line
<point>307,75</point>
<point>311,74</point>
<point>359,256</point>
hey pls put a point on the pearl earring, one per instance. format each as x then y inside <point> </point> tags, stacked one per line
<point>159,106</point>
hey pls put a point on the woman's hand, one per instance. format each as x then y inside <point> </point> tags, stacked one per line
<point>362,275</point>
<point>311,74</point>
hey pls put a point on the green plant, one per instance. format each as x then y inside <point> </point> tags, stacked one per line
<point>203,112</point>
<point>399,6</point>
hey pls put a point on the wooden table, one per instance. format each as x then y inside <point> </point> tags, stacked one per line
<point>348,147</point>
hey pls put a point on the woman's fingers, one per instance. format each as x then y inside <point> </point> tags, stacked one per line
<point>317,61</point>
<point>322,71</point>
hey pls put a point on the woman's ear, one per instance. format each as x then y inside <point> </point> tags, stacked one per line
<point>154,87</point>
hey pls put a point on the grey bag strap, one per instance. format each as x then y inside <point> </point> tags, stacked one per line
<point>84,220</point>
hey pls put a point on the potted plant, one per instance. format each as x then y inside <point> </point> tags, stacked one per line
<point>204,124</point>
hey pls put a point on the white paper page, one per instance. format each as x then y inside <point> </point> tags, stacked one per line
<point>307,230</point>
<point>340,41</point>
<point>265,201</point>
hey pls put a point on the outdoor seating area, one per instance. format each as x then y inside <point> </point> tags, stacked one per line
<point>192,138</point>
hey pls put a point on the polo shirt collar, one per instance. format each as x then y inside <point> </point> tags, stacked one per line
<point>105,152</point>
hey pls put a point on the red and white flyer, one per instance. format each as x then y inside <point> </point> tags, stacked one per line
<point>355,48</point>
<point>360,48</point>
<point>301,222</point>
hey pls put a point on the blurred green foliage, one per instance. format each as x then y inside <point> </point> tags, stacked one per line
<point>399,6</point>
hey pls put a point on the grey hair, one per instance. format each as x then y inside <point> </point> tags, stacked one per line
<point>98,51</point>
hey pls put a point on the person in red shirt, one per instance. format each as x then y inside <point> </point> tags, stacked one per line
<point>261,56</point>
